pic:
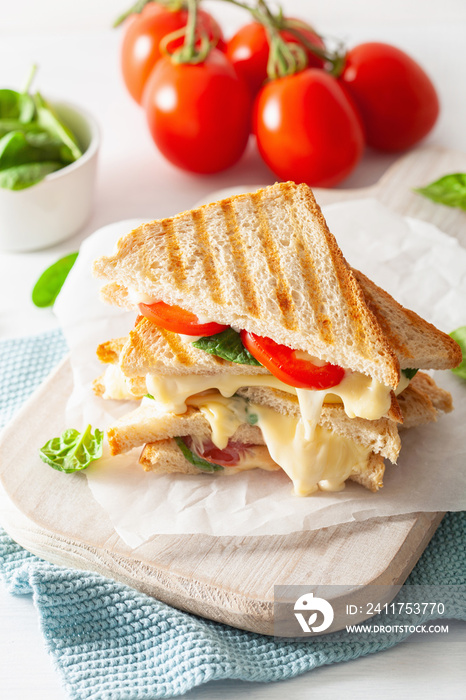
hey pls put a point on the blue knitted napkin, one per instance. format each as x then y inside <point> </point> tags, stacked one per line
<point>110,642</point>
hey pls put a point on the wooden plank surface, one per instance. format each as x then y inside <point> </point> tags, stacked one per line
<point>229,579</point>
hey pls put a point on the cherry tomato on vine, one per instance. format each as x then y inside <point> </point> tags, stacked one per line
<point>140,48</point>
<point>307,130</point>
<point>248,50</point>
<point>396,98</point>
<point>198,114</point>
<point>283,363</point>
<point>174,318</point>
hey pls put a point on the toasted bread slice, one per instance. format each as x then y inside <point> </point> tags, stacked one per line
<point>417,343</point>
<point>109,352</point>
<point>165,457</point>
<point>150,349</point>
<point>424,401</point>
<point>265,262</point>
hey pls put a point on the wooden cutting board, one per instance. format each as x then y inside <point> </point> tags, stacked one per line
<point>228,579</point>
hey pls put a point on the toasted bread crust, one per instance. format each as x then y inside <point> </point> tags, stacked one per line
<point>109,352</point>
<point>418,344</point>
<point>291,282</point>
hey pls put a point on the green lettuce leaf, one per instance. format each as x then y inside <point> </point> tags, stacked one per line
<point>73,451</point>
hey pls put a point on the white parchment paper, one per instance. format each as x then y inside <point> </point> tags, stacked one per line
<point>421,267</point>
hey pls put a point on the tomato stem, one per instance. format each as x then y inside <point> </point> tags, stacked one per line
<point>286,58</point>
<point>137,8</point>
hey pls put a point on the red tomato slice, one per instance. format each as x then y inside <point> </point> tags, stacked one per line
<point>175,319</point>
<point>283,363</point>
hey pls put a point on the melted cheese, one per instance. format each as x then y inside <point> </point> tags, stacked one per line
<point>310,405</point>
<point>223,415</point>
<point>172,392</point>
<point>316,459</point>
<point>361,396</point>
<point>325,461</point>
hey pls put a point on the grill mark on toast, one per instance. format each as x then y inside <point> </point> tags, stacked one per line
<point>310,278</point>
<point>176,346</point>
<point>245,281</point>
<point>366,329</point>
<point>208,259</point>
<point>173,251</point>
<point>282,290</point>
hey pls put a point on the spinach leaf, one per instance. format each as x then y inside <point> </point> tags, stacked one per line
<point>7,125</point>
<point>48,120</point>
<point>18,148</point>
<point>228,346</point>
<point>73,451</point>
<point>449,190</point>
<point>33,140</point>
<point>21,176</point>
<point>409,373</point>
<point>50,282</point>
<point>16,105</point>
<point>195,460</point>
<point>460,336</point>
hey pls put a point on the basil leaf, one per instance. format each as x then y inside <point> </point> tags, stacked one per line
<point>195,460</point>
<point>228,346</point>
<point>409,373</point>
<point>73,451</point>
<point>449,190</point>
<point>50,282</point>
<point>460,336</point>
<point>149,396</point>
<point>19,177</point>
<point>16,105</point>
<point>48,120</point>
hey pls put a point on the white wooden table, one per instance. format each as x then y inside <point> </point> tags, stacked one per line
<point>78,58</point>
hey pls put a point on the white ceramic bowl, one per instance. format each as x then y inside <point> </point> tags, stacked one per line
<point>58,206</point>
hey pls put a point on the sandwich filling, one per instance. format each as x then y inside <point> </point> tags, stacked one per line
<point>322,460</point>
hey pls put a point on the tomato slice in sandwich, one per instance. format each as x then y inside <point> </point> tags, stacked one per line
<point>175,319</point>
<point>287,365</point>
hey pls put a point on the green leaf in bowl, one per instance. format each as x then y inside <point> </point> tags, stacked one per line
<point>21,176</point>
<point>16,105</point>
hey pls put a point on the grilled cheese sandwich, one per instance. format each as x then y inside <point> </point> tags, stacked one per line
<point>266,265</point>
